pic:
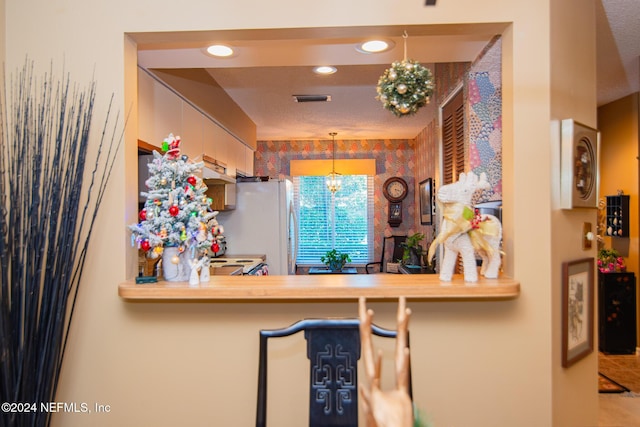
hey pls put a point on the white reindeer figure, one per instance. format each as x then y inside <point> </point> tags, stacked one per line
<point>465,232</point>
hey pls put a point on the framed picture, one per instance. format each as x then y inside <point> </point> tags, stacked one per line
<point>425,189</point>
<point>579,177</point>
<point>577,310</point>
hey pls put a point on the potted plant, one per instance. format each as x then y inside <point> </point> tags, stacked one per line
<point>335,260</point>
<point>412,249</point>
<point>610,261</point>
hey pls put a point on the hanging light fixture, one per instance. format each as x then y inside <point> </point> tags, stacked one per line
<point>334,179</point>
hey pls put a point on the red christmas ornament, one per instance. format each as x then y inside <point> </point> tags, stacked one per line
<point>191,180</point>
<point>215,247</point>
<point>144,245</point>
<point>142,215</point>
<point>174,210</point>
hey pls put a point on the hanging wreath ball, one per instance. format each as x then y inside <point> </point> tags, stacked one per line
<point>405,87</point>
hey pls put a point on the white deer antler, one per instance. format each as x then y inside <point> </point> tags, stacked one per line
<point>392,408</point>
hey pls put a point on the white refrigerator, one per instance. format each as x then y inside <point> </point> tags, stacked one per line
<point>263,222</point>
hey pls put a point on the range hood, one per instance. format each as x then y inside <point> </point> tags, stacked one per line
<point>221,187</point>
<point>210,176</point>
<point>215,172</point>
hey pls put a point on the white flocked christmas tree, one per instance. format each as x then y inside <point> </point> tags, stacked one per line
<point>176,217</point>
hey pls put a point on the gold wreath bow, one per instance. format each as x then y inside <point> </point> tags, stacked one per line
<point>460,219</point>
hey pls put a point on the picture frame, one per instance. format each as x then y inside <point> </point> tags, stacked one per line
<point>425,190</point>
<point>579,157</point>
<point>577,310</point>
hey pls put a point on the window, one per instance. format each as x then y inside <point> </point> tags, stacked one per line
<point>453,139</point>
<point>343,220</point>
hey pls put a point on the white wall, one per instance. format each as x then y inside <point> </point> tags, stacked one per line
<point>474,363</point>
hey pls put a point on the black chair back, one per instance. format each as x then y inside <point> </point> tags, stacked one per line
<point>333,350</point>
<point>392,251</point>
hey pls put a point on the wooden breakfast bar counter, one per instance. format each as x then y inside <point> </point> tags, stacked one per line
<point>323,287</point>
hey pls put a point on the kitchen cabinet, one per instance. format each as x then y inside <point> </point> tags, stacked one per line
<point>236,156</point>
<point>210,139</point>
<point>617,313</point>
<point>248,160</point>
<point>192,123</point>
<point>159,111</point>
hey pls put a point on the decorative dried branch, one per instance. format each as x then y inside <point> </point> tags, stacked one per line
<point>46,216</point>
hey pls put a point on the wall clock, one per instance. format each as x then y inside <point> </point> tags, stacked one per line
<point>395,189</point>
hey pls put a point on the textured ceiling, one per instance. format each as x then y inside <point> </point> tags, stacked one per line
<point>353,111</point>
<point>617,49</point>
<point>272,65</point>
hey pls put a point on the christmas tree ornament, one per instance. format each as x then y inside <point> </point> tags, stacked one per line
<point>215,247</point>
<point>144,245</point>
<point>405,87</point>
<point>173,143</point>
<point>163,181</point>
<point>142,215</point>
<point>174,210</point>
<point>192,180</point>
<point>201,236</point>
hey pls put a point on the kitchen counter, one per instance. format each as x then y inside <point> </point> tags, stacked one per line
<point>324,287</point>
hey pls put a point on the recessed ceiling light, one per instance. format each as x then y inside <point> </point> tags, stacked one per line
<point>325,69</point>
<point>220,50</point>
<point>374,46</point>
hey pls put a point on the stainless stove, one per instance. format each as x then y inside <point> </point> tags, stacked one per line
<point>250,266</point>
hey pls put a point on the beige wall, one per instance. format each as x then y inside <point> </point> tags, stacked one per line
<point>474,363</point>
<point>573,95</point>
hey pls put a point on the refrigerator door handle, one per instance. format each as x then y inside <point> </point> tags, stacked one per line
<point>293,245</point>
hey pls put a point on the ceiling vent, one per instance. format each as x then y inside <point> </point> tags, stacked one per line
<point>312,98</point>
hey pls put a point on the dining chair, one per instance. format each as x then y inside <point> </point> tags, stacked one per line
<point>392,251</point>
<point>333,350</point>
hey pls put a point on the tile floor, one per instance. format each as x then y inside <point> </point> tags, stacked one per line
<point>620,409</point>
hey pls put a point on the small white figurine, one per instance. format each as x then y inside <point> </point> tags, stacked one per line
<point>195,266</point>
<point>464,231</point>
<point>205,273</point>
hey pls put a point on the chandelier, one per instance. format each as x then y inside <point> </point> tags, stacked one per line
<point>334,179</point>
<point>406,86</point>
